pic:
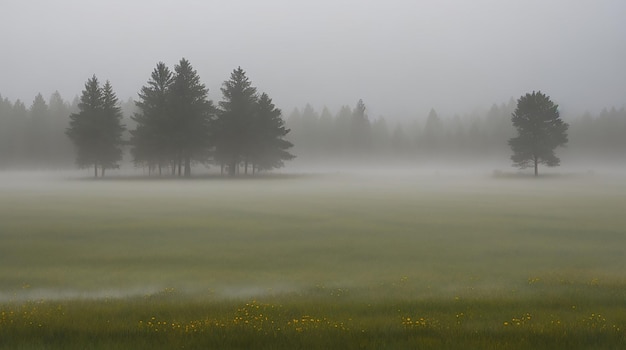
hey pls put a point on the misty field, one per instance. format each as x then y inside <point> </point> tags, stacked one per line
<point>410,260</point>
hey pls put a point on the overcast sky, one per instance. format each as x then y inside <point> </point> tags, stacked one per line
<point>401,57</point>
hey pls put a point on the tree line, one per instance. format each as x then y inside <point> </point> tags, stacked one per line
<point>33,136</point>
<point>351,133</point>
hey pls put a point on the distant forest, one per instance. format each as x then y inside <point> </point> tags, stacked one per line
<point>351,133</point>
<point>33,136</point>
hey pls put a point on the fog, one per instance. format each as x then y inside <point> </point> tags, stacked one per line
<point>401,57</point>
<point>449,229</point>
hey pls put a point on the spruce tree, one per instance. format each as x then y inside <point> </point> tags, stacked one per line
<point>152,140</point>
<point>270,147</point>
<point>111,129</point>
<point>192,114</point>
<point>38,132</point>
<point>233,126</point>
<point>361,130</point>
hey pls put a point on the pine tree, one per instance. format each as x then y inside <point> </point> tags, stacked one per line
<point>540,130</point>
<point>233,126</point>
<point>152,140</point>
<point>361,130</point>
<point>96,128</point>
<point>111,129</point>
<point>192,113</point>
<point>38,132</point>
<point>270,147</point>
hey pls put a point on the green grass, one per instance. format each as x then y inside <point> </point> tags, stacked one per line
<point>358,262</point>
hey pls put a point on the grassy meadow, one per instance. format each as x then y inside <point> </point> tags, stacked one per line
<point>322,261</point>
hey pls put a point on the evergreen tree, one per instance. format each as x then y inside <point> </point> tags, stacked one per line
<point>234,142</point>
<point>152,140</point>
<point>38,132</point>
<point>540,130</point>
<point>192,114</point>
<point>96,129</point>
<point>111,129</point>
<point>270,147</point>
<point>361,130</point>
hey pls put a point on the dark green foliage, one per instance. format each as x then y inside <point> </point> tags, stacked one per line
<point>234,129</point>
<point>270,147</point>
<point>112,129</point>
<point>96,129</point>
<point>173,122</point>
<point>192,113</point>
<point>540,130</point>
<point>152,140</point>
<point>249,129</point>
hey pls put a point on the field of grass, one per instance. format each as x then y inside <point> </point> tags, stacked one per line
<point>335,261</point>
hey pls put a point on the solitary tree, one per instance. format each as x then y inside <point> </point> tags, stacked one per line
<point>540,131</point>
<point>96,129</point>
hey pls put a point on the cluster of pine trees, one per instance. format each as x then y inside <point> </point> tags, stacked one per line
<point>177,125</point>
<point>97,128</point>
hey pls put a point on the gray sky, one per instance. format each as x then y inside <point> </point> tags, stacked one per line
<point>400,57</point>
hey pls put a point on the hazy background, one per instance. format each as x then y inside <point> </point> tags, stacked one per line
<point>401,57</point>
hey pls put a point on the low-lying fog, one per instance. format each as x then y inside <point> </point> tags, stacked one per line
<point>312,209</point>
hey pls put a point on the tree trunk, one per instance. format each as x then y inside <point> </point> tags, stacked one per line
<point>536,172</point>
<point>253,168</point>
<point>95,169</point>
<point>180,165</point>
<point>221,168</point>
<point>102,172</point>
<point>160,169</point>
<point>246,167</point>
